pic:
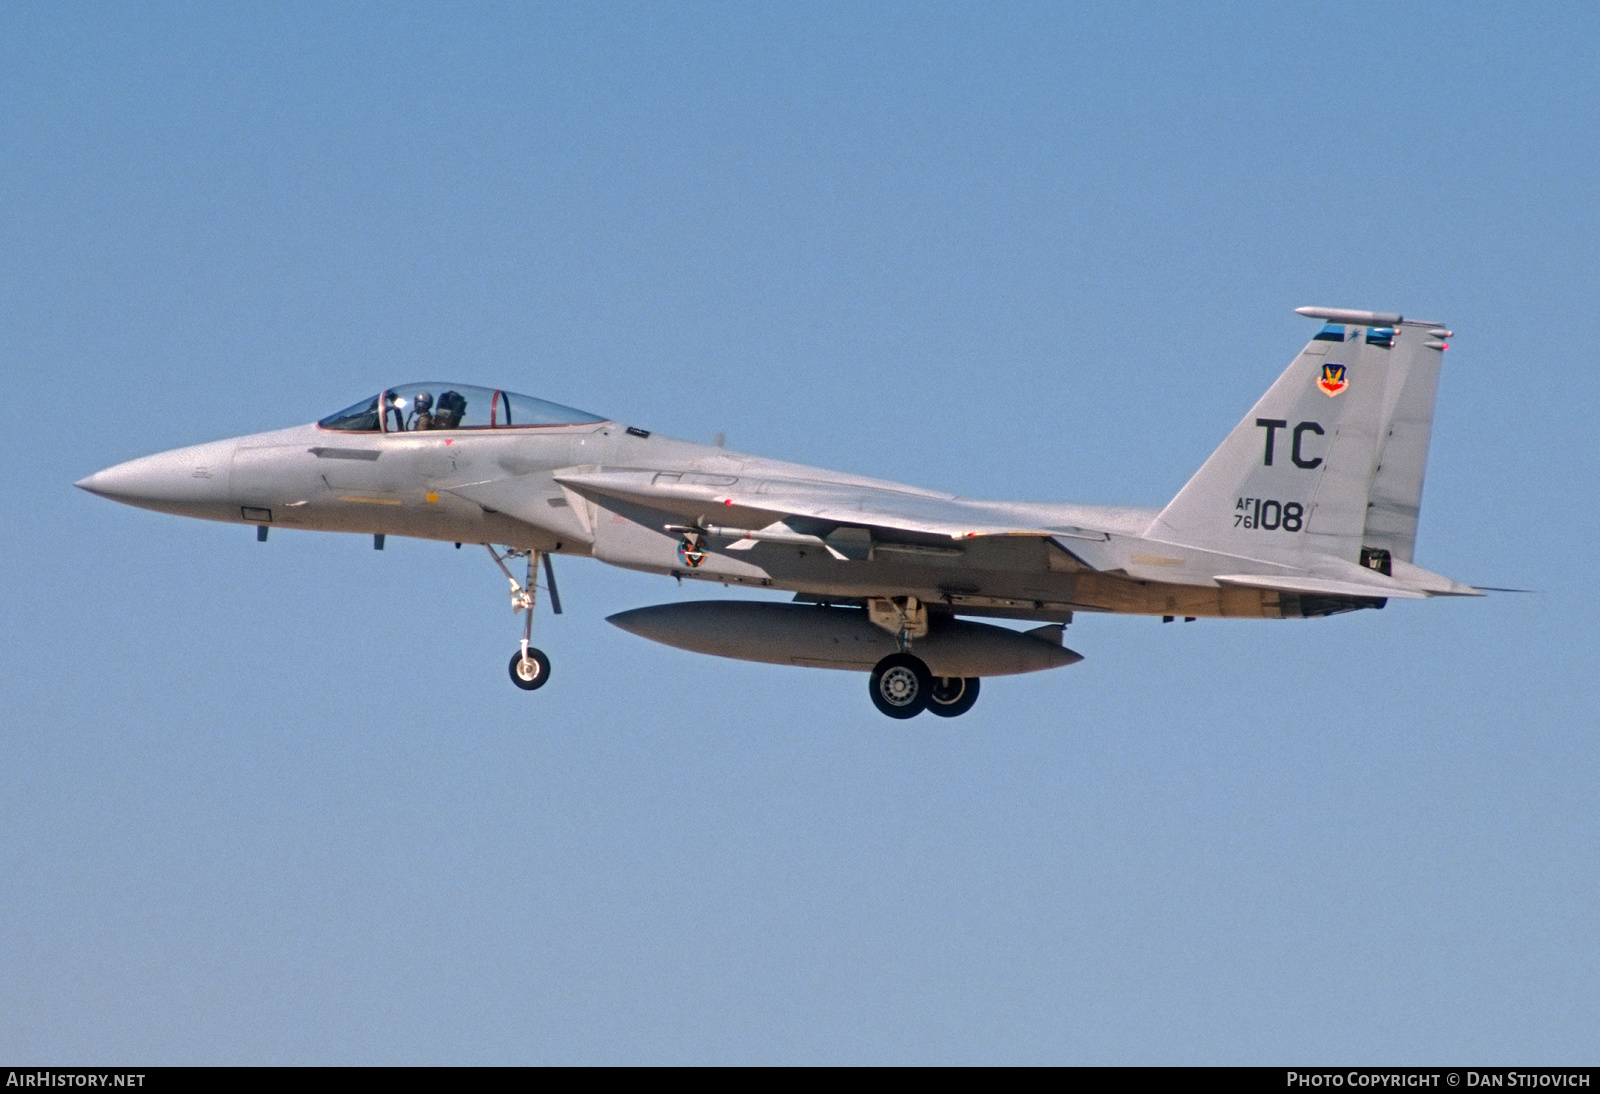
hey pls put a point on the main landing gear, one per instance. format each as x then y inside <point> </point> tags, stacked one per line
<point>902,687</point>
<point>530,668</point>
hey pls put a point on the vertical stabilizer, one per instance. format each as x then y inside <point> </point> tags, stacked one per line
<point>1395,499</point>
<point>1330,460</point>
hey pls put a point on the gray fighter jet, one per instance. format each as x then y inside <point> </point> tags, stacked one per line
<point>1309,508</point>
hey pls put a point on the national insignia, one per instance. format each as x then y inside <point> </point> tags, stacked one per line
<point>692,551</point>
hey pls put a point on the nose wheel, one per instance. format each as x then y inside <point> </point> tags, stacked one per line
<point>530,668</point>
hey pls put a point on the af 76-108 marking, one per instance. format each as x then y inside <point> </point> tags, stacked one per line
<point>887,576</point>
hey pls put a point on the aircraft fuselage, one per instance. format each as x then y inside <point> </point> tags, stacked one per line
<point>413,484</point>
<point>1308,508</point>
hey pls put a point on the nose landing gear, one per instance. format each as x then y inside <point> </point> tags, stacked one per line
<point>530,668</point>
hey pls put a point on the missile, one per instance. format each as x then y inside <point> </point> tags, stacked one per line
<point>841,638</point>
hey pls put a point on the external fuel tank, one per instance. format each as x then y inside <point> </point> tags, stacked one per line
<point>819,636</point>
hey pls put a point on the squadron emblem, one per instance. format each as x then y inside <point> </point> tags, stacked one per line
<point>1332,381</point>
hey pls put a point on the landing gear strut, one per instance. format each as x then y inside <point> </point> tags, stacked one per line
<point>530,668</point>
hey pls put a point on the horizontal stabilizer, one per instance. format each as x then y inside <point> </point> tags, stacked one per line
<point>1426,581</point>
<point>1318,586</point>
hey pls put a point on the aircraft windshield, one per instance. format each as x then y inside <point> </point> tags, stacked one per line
<point>422,407</point>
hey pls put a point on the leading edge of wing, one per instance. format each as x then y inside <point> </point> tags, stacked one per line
<point>696,496</point>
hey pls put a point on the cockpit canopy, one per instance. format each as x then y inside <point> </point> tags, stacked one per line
<point>432,406</point>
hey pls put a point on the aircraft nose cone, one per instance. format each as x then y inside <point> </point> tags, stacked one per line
<point>192,481</point>
<point>107,484</point>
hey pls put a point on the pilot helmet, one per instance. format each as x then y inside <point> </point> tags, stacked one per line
<point>422,402</point>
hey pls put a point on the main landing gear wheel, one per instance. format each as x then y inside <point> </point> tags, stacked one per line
<point>530,673</point>
<point>952,695</point>
<point>901,685</point>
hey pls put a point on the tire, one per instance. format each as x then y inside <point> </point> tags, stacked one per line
<point>952,695</point>
<point>534,678</point>
<point>900,685</point>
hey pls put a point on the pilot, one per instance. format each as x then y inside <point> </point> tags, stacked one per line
<point>422,411</point>
<point>452,406</point>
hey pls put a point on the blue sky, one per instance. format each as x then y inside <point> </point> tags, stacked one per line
<point>280,804</point>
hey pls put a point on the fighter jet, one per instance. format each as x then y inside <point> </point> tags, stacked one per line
<point>1309,508</point>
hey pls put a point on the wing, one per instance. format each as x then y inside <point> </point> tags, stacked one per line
<point>853,519</point>
<point>743,503</point>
